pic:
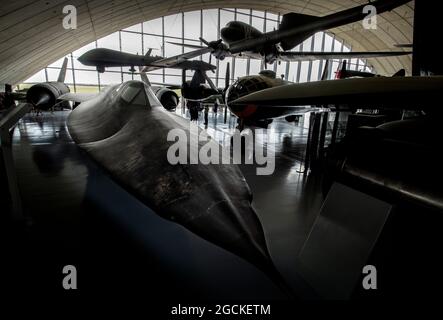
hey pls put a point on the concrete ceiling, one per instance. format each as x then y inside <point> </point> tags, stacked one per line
<point>32,35</point>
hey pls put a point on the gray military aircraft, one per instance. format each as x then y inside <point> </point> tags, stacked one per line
<point>101,58</point>
<point>125,129</point>
<point>262,117</point>
<point>241,39</point>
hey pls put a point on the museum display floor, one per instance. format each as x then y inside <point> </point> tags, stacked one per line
<point>79,216</point>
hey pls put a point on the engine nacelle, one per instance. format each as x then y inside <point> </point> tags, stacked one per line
<point>44,95</point>
<point>168,98</point>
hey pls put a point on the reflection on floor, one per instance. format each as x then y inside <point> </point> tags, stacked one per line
<point>82,217</point>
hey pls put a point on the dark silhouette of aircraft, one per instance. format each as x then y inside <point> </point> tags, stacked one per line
<point>103,58</point>
<point>241,39</point>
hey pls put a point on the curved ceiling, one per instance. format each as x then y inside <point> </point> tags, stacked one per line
<point>33,37</point>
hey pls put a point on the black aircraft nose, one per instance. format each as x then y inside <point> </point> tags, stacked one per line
<point>83,59</point>
<point>231,34</point>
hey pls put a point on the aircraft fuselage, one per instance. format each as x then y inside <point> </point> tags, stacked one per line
<point>106,58</point>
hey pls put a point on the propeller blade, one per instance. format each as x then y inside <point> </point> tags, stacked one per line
<point>191,46</point>
<point>204,41</point>
<point>183,76</point>
<point>227,76</point>
<point>325,74</point>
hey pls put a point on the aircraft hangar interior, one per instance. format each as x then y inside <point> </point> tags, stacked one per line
<point>244,156</point>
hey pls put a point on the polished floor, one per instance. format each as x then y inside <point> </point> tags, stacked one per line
<point>81,217</point>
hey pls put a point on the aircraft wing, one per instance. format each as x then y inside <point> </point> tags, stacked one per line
<point>397,92</point>
<point>295,27</point>
<point>175,60</point>
<point>310,56</point>
<point>77,97</point>
<point>227,54</point>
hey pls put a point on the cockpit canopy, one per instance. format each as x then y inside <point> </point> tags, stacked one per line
<point>245,86</point>
<point>137,93</point>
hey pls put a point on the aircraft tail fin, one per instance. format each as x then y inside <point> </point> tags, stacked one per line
<point>341,72</point>
<point>8,88</point>
<point>325,74</point>
<point>62,74</point>
<point>198,78</point>
<point>148,53</point>
<point>293,20</point>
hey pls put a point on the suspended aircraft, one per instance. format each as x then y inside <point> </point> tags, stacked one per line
<point>103,58</point>
<point>241,39</point>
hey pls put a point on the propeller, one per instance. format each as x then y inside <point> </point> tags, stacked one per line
<point>227,82</point>
<point>219,49</point>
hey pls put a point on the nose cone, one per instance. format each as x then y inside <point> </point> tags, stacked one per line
<point>236,224</point>
<point>84,58</point>
<point>90,57</point>
<point>241,88</point>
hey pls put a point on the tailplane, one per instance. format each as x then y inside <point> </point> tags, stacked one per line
<point>325,74</point>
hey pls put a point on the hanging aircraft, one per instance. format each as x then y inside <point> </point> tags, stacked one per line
<point>103,58</point>
<point>241,39</point>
